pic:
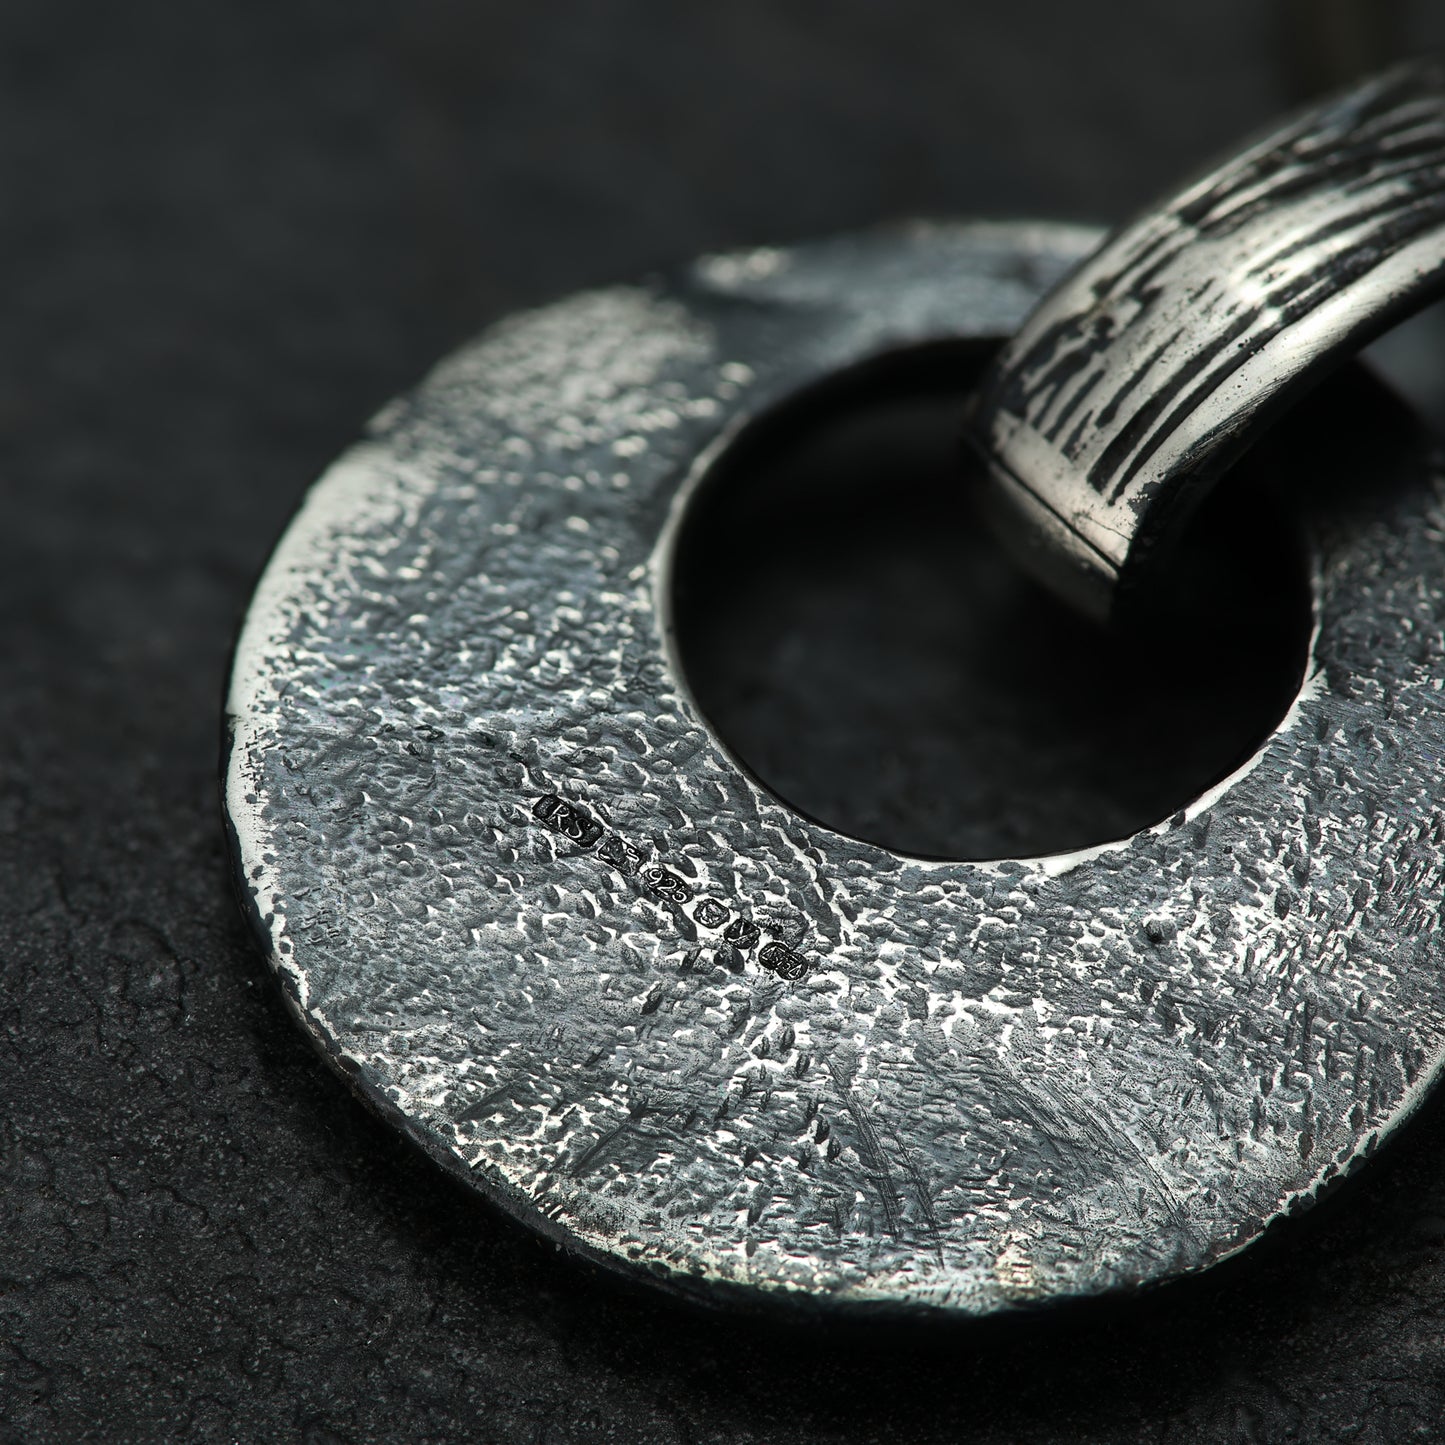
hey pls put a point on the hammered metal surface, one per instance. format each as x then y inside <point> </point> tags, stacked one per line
<point>991,1083</point>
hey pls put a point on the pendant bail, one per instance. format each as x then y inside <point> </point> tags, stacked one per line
<point>1141,377</point>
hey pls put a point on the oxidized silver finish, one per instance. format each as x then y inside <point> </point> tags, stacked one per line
<point>534,910</point>
<point>1138,380</point>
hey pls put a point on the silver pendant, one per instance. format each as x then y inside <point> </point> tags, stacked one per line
<point>531,907</point>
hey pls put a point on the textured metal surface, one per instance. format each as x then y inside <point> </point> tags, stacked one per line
<point>1137,381</point>
<point>458,744</point>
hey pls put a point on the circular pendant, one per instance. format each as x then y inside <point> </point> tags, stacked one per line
<point>541,918</point>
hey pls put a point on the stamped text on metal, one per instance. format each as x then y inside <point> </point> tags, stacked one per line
<point>576,824</point>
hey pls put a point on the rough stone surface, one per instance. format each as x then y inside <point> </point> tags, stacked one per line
<point>234,231</point>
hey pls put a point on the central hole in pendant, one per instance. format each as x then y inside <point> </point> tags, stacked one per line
<point>853,634</point>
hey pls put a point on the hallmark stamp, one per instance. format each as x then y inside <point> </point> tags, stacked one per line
<point>665,884</point>
<point>710,914</point>
<point>567,819</point>
<point>574,822</point>
<point>741,933</point>
<point>626,857</point>
<point>778,958</point>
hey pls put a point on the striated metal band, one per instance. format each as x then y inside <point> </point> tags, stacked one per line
<point>1141,377</point>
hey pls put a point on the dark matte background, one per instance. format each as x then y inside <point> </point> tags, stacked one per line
<point>229,232</point>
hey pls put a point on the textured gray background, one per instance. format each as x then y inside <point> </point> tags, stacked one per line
<point>230,232</point>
